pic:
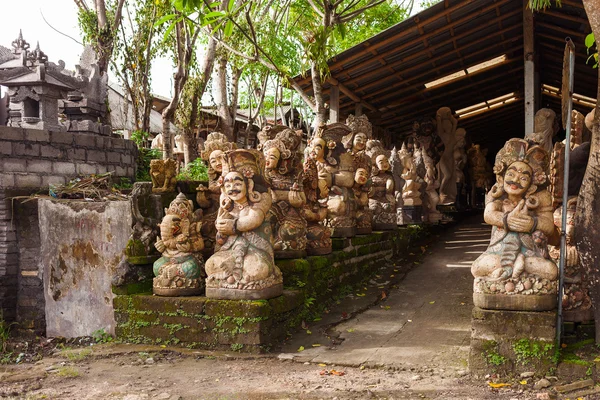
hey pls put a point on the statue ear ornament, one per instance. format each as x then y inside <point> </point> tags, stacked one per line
<point>331,161</point>
<point>497,190</point>
<point>532,189</point>
<point>252,195</point>
<point>532,202</point>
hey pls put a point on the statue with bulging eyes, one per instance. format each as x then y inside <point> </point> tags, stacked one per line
<point>516,271</point>
<point>382,201</point>
<point>243,266</point>
<point>213,154</point>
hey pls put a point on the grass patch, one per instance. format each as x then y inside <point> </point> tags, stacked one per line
<point>78,355</point>
<point>68,372</point>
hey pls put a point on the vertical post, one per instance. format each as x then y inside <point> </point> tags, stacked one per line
<point>358,110</point>
<point>529,54</point>
<point>334,104</point>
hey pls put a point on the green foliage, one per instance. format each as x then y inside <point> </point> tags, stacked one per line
<point>124,183</point>
<point>143,167</point>
<point>78,355</point>
<point>5,328</point>
<point>526,350</point>
<point>237,346</point>
<point>543,4</point>
<point>67,372</point>
<point>101,336</point>
<point>194,171</point>
<point>429,3</point>
<point>590,43</point>
<point>138,137</point>
<point>491,355</point>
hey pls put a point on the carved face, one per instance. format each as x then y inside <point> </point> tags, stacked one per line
<point>361,176</point>
<point>272,157</point>
<point>382,163</point>
<point>216,160</point>
<point>517,178</point>
<point>360,141</point>
<point>318,149</point>
<point>235,187</point>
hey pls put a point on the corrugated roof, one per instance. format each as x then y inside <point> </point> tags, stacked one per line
<point>388,71</point>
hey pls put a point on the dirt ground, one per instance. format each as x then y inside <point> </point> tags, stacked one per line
<point>132,372</point>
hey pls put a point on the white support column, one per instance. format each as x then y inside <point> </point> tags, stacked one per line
<point>334,104</point>
<point>529,57</point>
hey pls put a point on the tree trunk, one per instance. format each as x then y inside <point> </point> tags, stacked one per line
<point>222,106</point>
<point>321,112</point>
<point>588,202</point>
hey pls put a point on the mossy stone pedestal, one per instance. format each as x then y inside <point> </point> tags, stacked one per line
<point>512,342</point>
<point>409,215</point>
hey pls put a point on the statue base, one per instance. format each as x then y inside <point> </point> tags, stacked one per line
<point>364,230</point>
<point>244,294</point>
<point>176,292</point>
<point>318,251</point>
<point>515,302</point>
<point>447,208</point>
<point>281,254</point>
<point>349,231</point>
<point>409,215</point>
<point>379,226</point>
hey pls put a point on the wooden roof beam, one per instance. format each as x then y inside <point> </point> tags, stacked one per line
<point>351,94</point>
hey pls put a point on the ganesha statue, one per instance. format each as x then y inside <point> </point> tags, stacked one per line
<point>318,236</point>
<point>516,271</point>
<point>243,266</point>
<point>213,153</point>
<point>356,143</point>
<point>163,173</point>
<point>336,171</point>
<point>180,270</point>
<point>382,201</point>
<point>284,172</point>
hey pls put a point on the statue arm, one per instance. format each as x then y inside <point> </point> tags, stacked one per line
<point>493,214</point>
<point>256,214</point>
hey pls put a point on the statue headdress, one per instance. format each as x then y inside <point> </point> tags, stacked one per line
<point>287,142</point>
<point>332,134</point>
<point>359,124</point>
<point>250,164</point>
<point>215,141</point>
<point>181,206</point>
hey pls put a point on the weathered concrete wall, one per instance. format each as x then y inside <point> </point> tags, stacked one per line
<point>9,260</point>
<point>31,158</point>
<point>81,246</point>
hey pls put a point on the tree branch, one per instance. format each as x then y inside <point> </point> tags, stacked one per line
<point>356,13</point>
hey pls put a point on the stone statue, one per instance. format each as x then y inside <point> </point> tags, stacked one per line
<point>460,162</point>
<point>411,210</point>
<point>545,127</point>
<point>382,201</point>
<point>356,143</point>
<point>478,172</point>
<point>446,127</point>
<point>163,174</point>
<point>242,266</point>
<point>336,170</point>
<point>284,172</point>
<point>516,272</point>
<point>318,236</point>
<point>425,136</point>
<point>180,270</point>
<point>431,194</point>
<point>576,301</point>
<point>213,153</point>
<point>158,142</point>
<point>397,168</point>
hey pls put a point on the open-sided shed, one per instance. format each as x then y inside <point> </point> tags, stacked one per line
<point>469,56</point>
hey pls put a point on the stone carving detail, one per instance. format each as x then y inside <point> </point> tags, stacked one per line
<point>446,126</point>
<point>213,153</point>
<point>431,192</point>
<point>516,271</point>
<point>315,210</point>
<point>576,301</point>
<point>411,192</point>
<point>478,172</point>
<point>242,266</point>
<point>356,143</point>
<point>545,128</point>
<point>336,170</point>
<point>180,270</point>
<point>284,172</point>
<point>163,173</point>
<point>382,201</point>
<point>460,163</point>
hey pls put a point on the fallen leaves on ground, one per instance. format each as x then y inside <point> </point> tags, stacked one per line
<point>383,295</point>
<point>360,294</point>
<point>332,372</point>
<point>301,348</point>
<point>498,385</point>
<point>344,315</point>
<point>316,345</point>
<point>432,302</point>
<point>523,382</point>
<point>350,330</point>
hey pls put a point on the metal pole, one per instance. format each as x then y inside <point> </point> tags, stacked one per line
<point>563,231</point>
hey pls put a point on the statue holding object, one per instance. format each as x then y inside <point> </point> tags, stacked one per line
<point>382,201</point>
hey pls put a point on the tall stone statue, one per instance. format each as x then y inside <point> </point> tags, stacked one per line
<point>411,210</point>
<point>478,172</point>
<point>180,270</point>
<point>242,266</point>
<point>516,272</point>
<point>284,172</point>
<point>213,154</point>
<point>356,143</point>
<point>382,201</point>
<point>336,170</point>
<point>545,127</point>
<point>397,168</point>
<point>460,163</point>
<point>446,128</point>
<point>318,236</point>
<point>431,191</point>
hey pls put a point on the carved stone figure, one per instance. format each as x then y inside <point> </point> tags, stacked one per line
<point>446,126</point>
<point>283,170</point>
<point>576,301</point>
<point>397,168</point>
<point>545,127</point>
<point>431,194</point>
<point>158,142</point>
<point>411,210</point>
<point>478,172</point>
<point>460,163</point>
<point>516,272</point>
<point>180,270</point>
<point>163,173</point>
<point>213,153</point>
<point>356,143</point>
<point>318,236</point>
<point>242,266</point>
<point>382,201</point>
<point>336,170</point>
<point>425,136</point>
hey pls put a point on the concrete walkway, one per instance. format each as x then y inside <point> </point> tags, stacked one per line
<point>426,321</point>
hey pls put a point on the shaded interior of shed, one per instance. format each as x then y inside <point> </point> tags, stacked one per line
<point>466,55</point>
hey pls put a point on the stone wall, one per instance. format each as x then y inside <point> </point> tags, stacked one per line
<point>36,158</point>
<point>9,260</point>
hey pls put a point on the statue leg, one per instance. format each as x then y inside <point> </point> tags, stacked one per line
<point>485,265</point>
<point>541,267</point>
